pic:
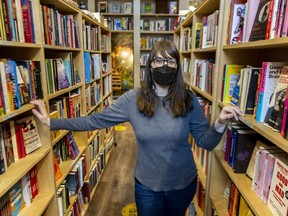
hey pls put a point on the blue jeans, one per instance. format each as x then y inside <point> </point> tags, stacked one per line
<point>166,203</point>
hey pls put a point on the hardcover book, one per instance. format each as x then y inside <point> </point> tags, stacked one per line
<point>31,136</point>
<point>269,77</point>
<point>259,26</point>
<point>63,81</point>
<point>72,145</point>
<point>275,111</point>
<point>245,141</point>
<point>278,200</point>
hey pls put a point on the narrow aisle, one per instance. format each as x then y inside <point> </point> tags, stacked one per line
<point>116,187</point>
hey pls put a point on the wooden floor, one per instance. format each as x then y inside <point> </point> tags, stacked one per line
<point>116,187</point>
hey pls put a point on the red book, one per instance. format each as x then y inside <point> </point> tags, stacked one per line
<point>271,7</point>
<point>27,21</point>
<point>34,182</point>
<point>20,141</point>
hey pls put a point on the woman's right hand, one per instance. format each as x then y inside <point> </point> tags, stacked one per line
<point>42,113</point>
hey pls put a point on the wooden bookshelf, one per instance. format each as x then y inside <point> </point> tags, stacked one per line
<point>45,203</point>
<point>249,53</point>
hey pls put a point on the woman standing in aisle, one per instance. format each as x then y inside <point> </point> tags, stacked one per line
<point>162,113</point>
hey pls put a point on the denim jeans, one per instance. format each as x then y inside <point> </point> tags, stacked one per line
<point>166,203</point>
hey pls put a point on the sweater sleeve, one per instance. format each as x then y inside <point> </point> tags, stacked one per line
<point>116,113</point>
<point>205,136</point>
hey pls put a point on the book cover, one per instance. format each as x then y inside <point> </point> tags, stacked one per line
<point>63,81</point>
<point>128,7</point>
<point>269,77</point>
<point>285,117</point>
<point>10,68</point>
<point>31,136</point>
<point>115,7</point>
<point>237,91</point>
<point>34,182</point>
<point>72,145</point>
<point>57,170</point>
<point>232,74</point>
<point>275,112</point>
<point>173,7</point>
<point>245,143</point>
<point>237,23</point>
<point>16,199</point>
<point>103,7</point>
<point>148,7</point>
<point>268,174</point>
<point>26,188</point>
<point>258,31</point>
<point>278,199</point>
<point>60,201</point>
<point>8,143</point>
<point>285,22</point>
<point>198,26</point>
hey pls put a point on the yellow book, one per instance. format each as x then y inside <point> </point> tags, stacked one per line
<point>231,77</point>
<point>197,33</point>
<point>243,207</point>
<point>2,25</point>
<point>54,133</point>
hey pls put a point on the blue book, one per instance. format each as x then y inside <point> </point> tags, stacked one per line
<point>87,67</point>
<point>11,72</point>
<point>11,21</point>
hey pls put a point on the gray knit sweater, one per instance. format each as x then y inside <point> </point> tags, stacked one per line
<point>164,161</point>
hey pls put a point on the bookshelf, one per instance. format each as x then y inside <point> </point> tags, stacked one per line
<point>246,53</point>
<point>143,38</point>
<point>87,35</point>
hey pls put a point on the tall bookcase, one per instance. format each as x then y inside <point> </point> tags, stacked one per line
<point>77,48</point>
<point>215,180</point>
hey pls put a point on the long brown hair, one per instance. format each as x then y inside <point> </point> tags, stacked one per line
<point>178,97</point>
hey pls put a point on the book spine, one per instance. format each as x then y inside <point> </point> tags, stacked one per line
<point>285,24</point>
<point>261,91</point>
<point>26,21</point>
<point>269,20</point>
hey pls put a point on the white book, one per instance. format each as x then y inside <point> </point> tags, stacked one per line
<point>277,201</point>
<point>19,18</point>
<point>4,88</point>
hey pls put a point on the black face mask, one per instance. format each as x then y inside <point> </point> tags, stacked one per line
<point>164,75</point>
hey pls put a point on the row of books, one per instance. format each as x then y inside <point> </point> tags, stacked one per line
<point>202,154</point>
<point>257,20</point>
<point>147,42</point>
<point>168,24</point>
<point>59,29</point>
<point>70,187</point>
<point>94,147</point>
<point>165,7</point>
<point>94,66</point>
<point>261,91</point>
<point>16,21</point>
<point>61,72</point>
<point>246,152</point>
<point>239,144</point>
<point>206,31</point>
<point>186,40</point>
<point>200,195</point>
<point>91,38</point>
<point>124,23</point>
<point>21,194</point>
<point>17,139</point>
<point>105,43</point>
<point>20,83</point>
<point>93,95</point>
<point>203,75</point>
<point>107,84</point>
<point>237,205</point>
